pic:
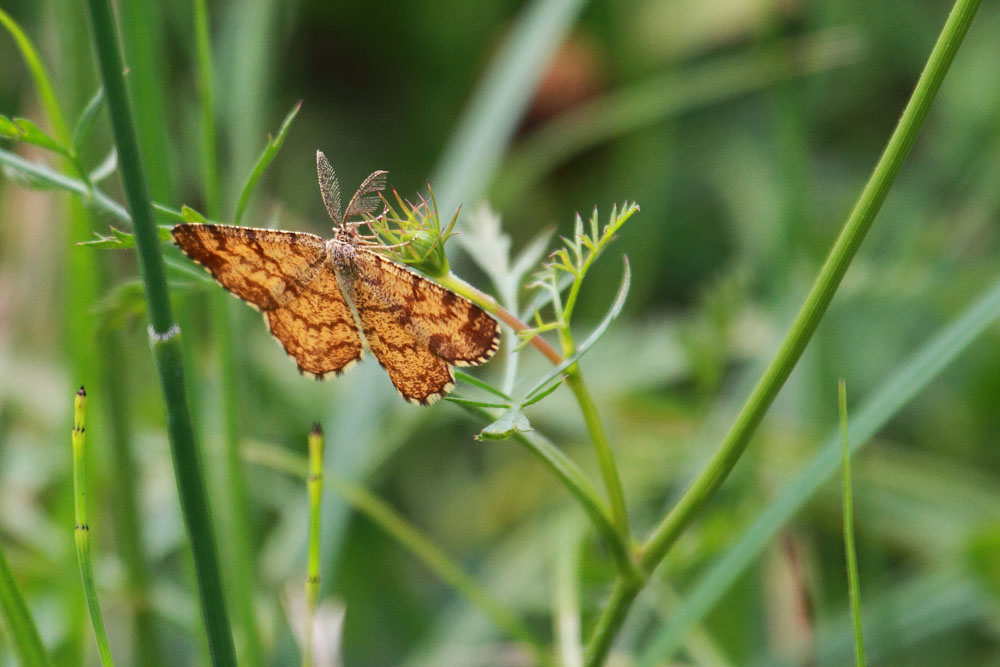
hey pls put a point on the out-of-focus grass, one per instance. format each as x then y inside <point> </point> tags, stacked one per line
<point>740,199</point>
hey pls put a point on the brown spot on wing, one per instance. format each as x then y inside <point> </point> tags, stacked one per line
<point>267,268</point>
<point>317,328</point>
<point>416,328</point>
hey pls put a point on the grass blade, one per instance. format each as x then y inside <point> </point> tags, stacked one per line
<point>272,148</point>
<point>496,107</point>
<point>854,587</point>
<point>17,621</point>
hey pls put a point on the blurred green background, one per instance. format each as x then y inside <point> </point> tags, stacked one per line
<point>745,129</point>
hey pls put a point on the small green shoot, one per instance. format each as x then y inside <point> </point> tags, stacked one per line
<point>82,528</point>
<point>574,260</point>
<point>314,482</point>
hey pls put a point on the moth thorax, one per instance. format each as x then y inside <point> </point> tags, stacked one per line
<point>342,252</point>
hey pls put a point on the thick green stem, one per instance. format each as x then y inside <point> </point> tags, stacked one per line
<point>816,303</point>
<point>165,341</point>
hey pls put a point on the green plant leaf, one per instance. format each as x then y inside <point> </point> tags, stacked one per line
<point>539,395</point>
<point>107,167</point>
<point>118,240</point>
<point>22,129</point>
<point>510,422</point>
<point>86,120</point>
<point>595,335</point>
<point>169,213</point>
<point>473,403</point>
<point>191,215</point>
<point>266,156</point>
<point>476,382</point>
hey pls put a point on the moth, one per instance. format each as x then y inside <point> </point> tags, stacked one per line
<point>325,300</point>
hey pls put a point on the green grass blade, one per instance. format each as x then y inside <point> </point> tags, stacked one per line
<point>268,154</point>
<point>40,175</point>
<point>901,386</point>
<point>854,586</point>
<point>206,98</point>
<point>41,77</point>
<point>142,39</point>
<point>17,621</point>
<point>498,103</point>
<point>86,120</point>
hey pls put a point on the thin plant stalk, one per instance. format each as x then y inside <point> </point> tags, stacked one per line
<point>238,556</point>
<point>854,586</point>
<point>314,483</point>
<point>897,389</point>
<point>81,529</point>
<point>164,341</point>
<point>605,458</point>
<point>817,301</point>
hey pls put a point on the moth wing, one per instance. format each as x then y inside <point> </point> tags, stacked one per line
<point>264,267</point>
<point>417,329</point>
<point>316,328</point>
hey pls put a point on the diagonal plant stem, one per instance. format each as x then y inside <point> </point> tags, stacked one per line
<point>817,301</point>
<point>164,341</point>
